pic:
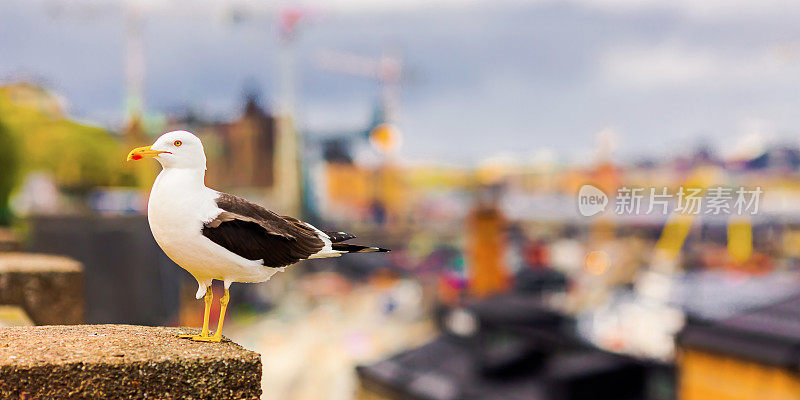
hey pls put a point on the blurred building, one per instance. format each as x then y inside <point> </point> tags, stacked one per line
<point>752,355</point>
<point>511,347</point>
<point>241,153</point>
<point>486,228</point>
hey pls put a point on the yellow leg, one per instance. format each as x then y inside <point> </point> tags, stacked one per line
<point>218,333</point>
<point>204,333</point>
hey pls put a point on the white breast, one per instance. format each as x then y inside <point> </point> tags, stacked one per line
<point>178,207</point>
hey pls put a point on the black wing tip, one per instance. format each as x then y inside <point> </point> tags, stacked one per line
<point>357,248</point>
<point>337,237</point>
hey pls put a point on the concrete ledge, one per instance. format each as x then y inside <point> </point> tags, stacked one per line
<point>122,362</point>
<point>49,288</point>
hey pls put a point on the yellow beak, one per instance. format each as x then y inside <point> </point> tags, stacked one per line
<point>144,152</point>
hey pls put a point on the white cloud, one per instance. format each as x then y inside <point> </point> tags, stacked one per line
<point>678,65</point>
<point>700,9</point>
<point>660,66</point>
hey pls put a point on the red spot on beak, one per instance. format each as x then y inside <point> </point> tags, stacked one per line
<point>136,157</point>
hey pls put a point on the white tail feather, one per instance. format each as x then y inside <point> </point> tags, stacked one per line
<point>326,254</point>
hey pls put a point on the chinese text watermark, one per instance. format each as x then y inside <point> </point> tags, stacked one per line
<point>715,200</point>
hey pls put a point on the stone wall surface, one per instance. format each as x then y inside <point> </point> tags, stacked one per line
<point>122,362</point>
<point>49,288</point>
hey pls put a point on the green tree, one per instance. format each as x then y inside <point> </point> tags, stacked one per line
<point>79,157</point>
<point>9,171</point>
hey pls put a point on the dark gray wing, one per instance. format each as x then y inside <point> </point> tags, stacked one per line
<point>256,233</point>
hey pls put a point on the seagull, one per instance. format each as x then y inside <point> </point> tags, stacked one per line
<point>215,235</point>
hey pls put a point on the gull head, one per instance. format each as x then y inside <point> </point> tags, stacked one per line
<point>176,149</point>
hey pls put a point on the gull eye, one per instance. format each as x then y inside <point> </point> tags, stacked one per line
<point>177,143</point>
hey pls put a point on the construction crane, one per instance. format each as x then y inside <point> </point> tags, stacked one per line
<point>388,70</point>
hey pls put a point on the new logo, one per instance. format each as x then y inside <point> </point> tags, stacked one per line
<point>591,200</point>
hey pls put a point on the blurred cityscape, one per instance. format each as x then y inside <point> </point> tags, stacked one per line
<point>636,265</point>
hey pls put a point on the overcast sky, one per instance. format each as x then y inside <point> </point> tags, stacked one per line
<point>489,78</point>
